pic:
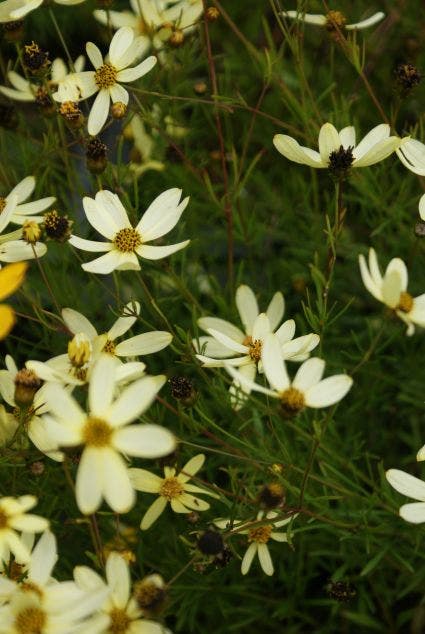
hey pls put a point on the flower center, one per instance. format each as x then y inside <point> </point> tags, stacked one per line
<point>3,519</point>
<point>340,162</point>
<point>109,347</point>
<point>254,347</point>
<point>3,203</point>
<point>119,621</point>
<point>79,350</point>
<point>405,303</point>
<point>171,488</point>
<point>106,76</point>
<point>292,400</point>
<point>127,240</point>
<point>261,535</point>
<point>30,621</point>
<point>334,20</point>
<point>97,432</point>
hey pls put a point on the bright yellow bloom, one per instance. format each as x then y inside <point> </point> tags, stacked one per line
<point>11,277</point>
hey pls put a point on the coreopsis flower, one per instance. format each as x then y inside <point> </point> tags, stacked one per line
<point>258,537</point>
<point>154,21</point>
<point>141,156</point>
<point>411,153</point>
<point>106,79</point>
<point>145,343</point>
<point>172,488</point>
<point>226,340</point>
<point>308,389</point>
<point>338,151</point>
<point>14,517</point>
<point>333,20</point>
<point>391,290</point>
<point>13,250</point>
<point>11,278</point>
<point>25,210</point>
<point>107,215</point>
<point>104,434</point>
<point>412,487</point>
<point>120,611</point>
<point>14,384</point>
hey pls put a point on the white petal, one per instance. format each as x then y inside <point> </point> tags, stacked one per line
<point>24,189</point>
<point>328,391</point>
<point>106,263</point>
<point>211,347</point>
<point>223,326</point>
<point>119,44</point>
<point>135,399</point>
<point>398,265</point>
<point>101,386</point>
<point>117,489</point>
<point>111,204</point>
<point>89,245</point>
<point>43,559</point>
<point>261,327</point>
<point>329,141</point>
<point>248,383</point>
<point>248,557</point>
<point>392,287</point>
<point>406,484</point>
<point>414,512</point>
<point>95,56</point>
<point>76,322</point>
<point>191,467</point>
<point>156,253</point>
<point>99,220</point>
<point>422,207</point>
<point>146,343</point>
<point>363,24</point>
<point>145,441</point>
<point>119,94</point>
<point>126,321</point>
<point>265,559</point>
<point>247,306</point>
<point>377,153</point>
<point>153,512</point>
<point>273,364</point>
<point>118,576</point>
<point>145,481</point>
<point>62,405</point>
<point>162,214</point>
<point>98,113</point>
<point>275,310</point>
<point>309,373</point>
<point>90,480</point>
<point>131,74</point>
<point>292,150</point>
<point>286,331</point>
<point>371,285</point>
<point>348,137</point>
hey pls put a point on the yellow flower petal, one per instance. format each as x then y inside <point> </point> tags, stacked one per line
<point>11,277</point>
<point>7,320</point>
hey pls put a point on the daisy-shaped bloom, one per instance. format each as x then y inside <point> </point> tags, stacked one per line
<point>107,215</point>
<point>412,487</point>
<point>22,210</point>
<point>21,390</point>
<point>105,434</point>
<point>15,250</point>
<point>412,154</point>
<point>226,340</point>
<point>258,537</point>
<point>172,488</point>
<point>338,150</point>
<point>333,20</point>
<point>107,77</point>
<point>148,16</point>
<point>308,389</point>
<point>24,90</point>
<point>391,290</point>
<point>14,517</point>
<point>146,343</point>
<point>141,156</point>
<point>11,278</point>
<point>120,611</point>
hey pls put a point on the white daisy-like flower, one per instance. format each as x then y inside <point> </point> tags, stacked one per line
<point>226,340</point>
<point>24,90</point>
<point>148,16</point>
<point>340,147</point>
<point>172,488</point>
<point>25,210</point>
<point>105,434</point>
<point>119,612</point>
<point>141,157</point>
<point>412,487</point>
<point>411,153</point>
<point>308,389</point>
<point>13,10</point>
<point>14,517</point>
<point>107,215</point>
<point>146,343</point>
<point>33,422</point>
<point>391,290</point>
<point>258,537</point>
<point>333,20</point>
<point>19,250</point>
<point>107,77</point>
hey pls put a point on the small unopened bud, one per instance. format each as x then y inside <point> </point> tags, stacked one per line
<point>37,468</point>
<point>407,77</point>
<point>177,38</point>
<point>13,31</point>
<point>210,543</point>
<point>35,60</point>
<point>118,110</point>
<point>182,390</point>
<point>193,517</point>
<point>277,467</point>
<point>212,14</point>
<point>71,112</point>
<point>26,385</point>
<point>31,231</point>
<point>79,350</point>
<point>45,102</point>
<point>150,593</point>
<point>96,160</point>
<point>200,87</point>
<point>57,227</point>
<point>272,495</point>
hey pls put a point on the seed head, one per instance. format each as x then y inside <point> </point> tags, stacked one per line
<point>57,227</point>
<point>96,160</point>
<point>35,60</point>
<point>182,390</point>
<point>210,543</point>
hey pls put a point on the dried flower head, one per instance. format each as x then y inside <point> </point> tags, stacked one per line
<point>35,60</point>
<point>57,227</point>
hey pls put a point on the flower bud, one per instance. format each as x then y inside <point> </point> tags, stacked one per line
<point>27,383</point>
<point>118,110</point>
<point>31,231</point>
<point>96,160</point>
<point>79,350</point>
